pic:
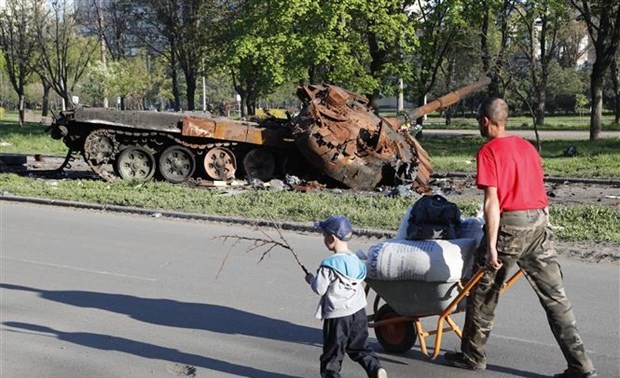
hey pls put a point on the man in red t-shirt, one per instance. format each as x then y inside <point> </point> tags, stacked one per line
<point>517,232</point>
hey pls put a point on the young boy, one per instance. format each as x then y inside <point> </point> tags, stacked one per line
<point>339,282</point>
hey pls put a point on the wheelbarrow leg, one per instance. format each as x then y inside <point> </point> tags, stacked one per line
<point>445,314</point>
<point>422,335</point>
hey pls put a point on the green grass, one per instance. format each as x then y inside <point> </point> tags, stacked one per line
<point>586,222</point>
<point>598,159</point>
<point>595,159</point>
<point>577,223</point>
<point>31,139</point>
<point>525,123</point>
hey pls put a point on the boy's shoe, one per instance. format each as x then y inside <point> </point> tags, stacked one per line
<point>381,373</point>
<point>571,374</point>
<point>458,360</point>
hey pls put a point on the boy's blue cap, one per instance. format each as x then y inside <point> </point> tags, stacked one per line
<point>336,225</point>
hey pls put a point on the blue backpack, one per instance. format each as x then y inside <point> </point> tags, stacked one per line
<point>433,217</point>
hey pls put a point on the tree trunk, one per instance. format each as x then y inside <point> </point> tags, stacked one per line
<point>420,120</point>
<point>373,99</point>
<point>21,110</point>
<point>243,111</point>
<point>615,79</point>
<point>596,90</point>
<point>176,93</point>
<point>250,103</point>
<point>449,78</point>
<point>484,41</point>
<point>191,91</point>
<point>540,108</point>
<point>45,106</point>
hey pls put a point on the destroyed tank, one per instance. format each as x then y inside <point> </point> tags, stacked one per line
<point>336,135</point>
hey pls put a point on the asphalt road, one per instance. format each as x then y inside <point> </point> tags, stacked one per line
<point>95,294</point>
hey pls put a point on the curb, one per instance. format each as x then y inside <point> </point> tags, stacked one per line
<point>293,226</point>
<point>550,179</point>
<point>578,253</point>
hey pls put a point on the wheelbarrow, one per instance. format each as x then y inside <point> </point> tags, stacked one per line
<point>397,322</point>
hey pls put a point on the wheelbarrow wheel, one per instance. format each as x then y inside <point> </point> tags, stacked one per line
<point>395,337</point>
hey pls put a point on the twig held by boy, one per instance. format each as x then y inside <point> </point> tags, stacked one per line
<point>267,243</point>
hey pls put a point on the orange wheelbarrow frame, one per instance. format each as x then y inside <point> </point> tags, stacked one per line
<point>444,316</point>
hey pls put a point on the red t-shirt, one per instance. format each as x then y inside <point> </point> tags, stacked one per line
<point>513,166</point>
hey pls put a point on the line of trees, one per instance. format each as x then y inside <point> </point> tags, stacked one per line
<point>155,53</point>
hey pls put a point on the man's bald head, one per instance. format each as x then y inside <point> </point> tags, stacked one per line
<point>495,109</point>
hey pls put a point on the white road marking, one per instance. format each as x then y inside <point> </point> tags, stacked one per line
<point>534,342</point>
<point>78,269</point>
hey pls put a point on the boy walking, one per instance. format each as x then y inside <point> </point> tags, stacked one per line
<point>342,306</point>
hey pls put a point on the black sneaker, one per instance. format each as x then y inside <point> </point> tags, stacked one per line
<point>572,374</point>
<point>458,360</point>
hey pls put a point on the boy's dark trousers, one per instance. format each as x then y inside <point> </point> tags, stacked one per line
<point>348,334</point>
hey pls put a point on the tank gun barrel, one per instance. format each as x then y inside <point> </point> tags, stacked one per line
<point>445,100</point>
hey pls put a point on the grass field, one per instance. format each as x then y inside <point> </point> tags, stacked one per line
<point>562,122</point>
<point>597,159</point>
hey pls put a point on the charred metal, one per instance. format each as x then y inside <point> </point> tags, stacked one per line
<point>336,134</point>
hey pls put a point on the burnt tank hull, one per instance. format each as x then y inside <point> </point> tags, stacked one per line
<point>138,145</point>
<point>335,134</point>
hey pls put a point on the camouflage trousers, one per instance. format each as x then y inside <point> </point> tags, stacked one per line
<point>524,239</point>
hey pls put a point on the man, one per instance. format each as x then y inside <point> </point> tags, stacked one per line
<point>517,231</point>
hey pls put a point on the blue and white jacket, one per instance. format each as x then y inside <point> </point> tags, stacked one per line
<point>339,282</point>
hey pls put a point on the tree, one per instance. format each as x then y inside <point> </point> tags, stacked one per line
<point>97,82</point>
<point>185,34</point>
<point>495,36</point>
<point>564,87</point>
<point>538,24</point>
<point>263,47</point>
<point>110,20</point>
<point>438,24</point>
<point>19,43</point>
<point>390,36</point>
<point>580,103</point>
<point>602,18</point>
<point>64,54</point>
<point>570,43</point>
<point>130,81</point>
<point>357,44</point>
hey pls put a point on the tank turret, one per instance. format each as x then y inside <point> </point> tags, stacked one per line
<point>340,134</point>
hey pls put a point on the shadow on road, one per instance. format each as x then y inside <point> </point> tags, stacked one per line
<point>171,313</point>
<point>200,316</point>
<point>119,344</point>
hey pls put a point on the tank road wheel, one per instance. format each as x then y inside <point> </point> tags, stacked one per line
<point>135,163</point>
<point>176,164</point>
<point>396,337</point>
<point>220,163</point>
<point>99,148</point>
<point>260,164</point>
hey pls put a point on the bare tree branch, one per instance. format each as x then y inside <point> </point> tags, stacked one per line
<point>265,244</point>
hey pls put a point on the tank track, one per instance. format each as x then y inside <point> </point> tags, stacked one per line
<point>102,146</point>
